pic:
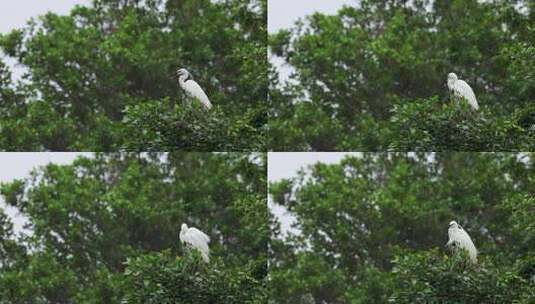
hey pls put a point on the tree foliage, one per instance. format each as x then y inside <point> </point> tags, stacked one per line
<point>90,76</point>
<point>102,227</point>
<point>161,278</point>
<point>373,78</point>
<point>372,229</point>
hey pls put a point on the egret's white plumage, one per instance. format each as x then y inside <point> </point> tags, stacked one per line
<point>197,239</point>
<point>461,239</point>
<point>192,88</point>
<point>461,89</point>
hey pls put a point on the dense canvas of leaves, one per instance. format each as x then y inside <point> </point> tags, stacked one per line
<point>161,278</point>
<point>91,74</point>
<point>103,226</point>
<point>372,229</point>
<point>358,74</point>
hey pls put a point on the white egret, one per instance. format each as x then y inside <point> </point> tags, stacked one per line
<point>197,239</point>
<point>460,239</point>
<point>460,89</point>
<point>192,88</point>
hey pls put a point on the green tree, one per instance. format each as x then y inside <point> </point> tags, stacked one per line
<point>99,79</point>
<point>373,78</point>
<point>104,225</point>
<point>372,229</point>
<point>162,278</point>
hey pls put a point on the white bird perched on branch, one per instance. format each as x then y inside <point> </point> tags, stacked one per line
<point>197,239</point>
<point>461,239</point>
<point>192,88</point>
<point>460,89</point>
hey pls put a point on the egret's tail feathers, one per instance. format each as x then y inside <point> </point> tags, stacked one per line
<point>473,103</point>
<point>205,257</point>
<point>473,257</point>
<point>206,104</point>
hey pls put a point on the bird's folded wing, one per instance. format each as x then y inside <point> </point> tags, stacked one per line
<point>195,90</point>
<point>200,235</point>
<point>464,241</point>
<point>466,91</point>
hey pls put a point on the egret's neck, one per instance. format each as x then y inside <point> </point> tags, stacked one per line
<point>451,82</point>
<point>182,80</point>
